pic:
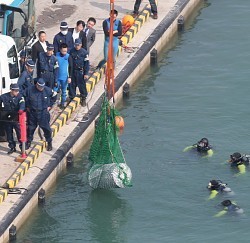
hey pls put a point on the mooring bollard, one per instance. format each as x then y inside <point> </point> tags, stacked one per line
<point>180,23</point>
<point>41,196</point>
<point>12,233</point>
<point>70,159</point>
<point>126,90</point>
<point>153,57</point>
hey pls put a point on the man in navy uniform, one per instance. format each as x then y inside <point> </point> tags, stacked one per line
<point>80,61</point>
<point>22,60</point>
<point>39,100</point>
<point>12,104</point>
<point>26,78</point>
<point>48,66</point>
<point>64,36</point>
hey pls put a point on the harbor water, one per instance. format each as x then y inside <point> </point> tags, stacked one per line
<point>200,88</point>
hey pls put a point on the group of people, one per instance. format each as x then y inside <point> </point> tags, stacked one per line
<point>37,100</point>
<point>217,186</point>
<point>53,68</point>
<point>59,66</point>
<point>64,64</point>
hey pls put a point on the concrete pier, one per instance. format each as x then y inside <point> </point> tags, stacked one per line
<point>75,126</point>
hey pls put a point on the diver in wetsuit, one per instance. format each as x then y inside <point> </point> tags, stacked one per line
<point>229,207</point>
<point>238,161</point>
<point>216,187</point>
<point>203,147</point>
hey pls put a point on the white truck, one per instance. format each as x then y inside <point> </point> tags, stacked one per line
<point>17,28</point>
<point>17,20</point>
<point>9,64</point>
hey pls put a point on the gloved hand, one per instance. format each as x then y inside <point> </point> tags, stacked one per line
<point>20,112</point>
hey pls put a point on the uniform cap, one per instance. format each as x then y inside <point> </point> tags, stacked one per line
<point>78,42</point>
<point>50,47</point>
<point>30,63</point>
<point>40,82</point>
<point>23,53</point>
<point>14,87</point>
<point>64,25</point>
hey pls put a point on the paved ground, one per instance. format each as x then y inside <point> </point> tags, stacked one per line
<point>49,17</point>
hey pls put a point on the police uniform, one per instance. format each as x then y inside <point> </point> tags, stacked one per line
<point>80,68</point>
<point>48,67</point>
<point>22,60</point>
<point>38,98</point>
<point>10,106</point>
<point>26,79</point>
<point>63,38</point>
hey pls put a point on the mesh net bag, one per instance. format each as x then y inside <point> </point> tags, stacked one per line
<point>108,167</point>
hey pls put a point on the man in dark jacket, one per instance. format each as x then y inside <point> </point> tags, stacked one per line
<point>47,67</point>
<point>26,79</point>
<point>22,61</point>
<point>12,104</point>
<point>39,100</point>
<point>39,46</point>
<point>78,33</point>
<point>80,61</point>
<point>64,36</point>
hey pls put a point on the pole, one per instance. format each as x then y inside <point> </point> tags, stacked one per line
<point>109,81</point>
<point>23,131</point>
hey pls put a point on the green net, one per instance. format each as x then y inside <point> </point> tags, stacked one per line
<point>108,167</point>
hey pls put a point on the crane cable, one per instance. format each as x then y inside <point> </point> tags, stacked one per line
<point>109,78</point>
